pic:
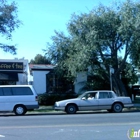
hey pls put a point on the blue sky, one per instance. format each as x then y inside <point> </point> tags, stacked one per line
<point>40,18</point>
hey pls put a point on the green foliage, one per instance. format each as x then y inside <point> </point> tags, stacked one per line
<point>129,75</point>
<point>95,82</point>
<point>96,39</point>
<point>8,23</point>
<point>39,59</point>
<point>50,99</point>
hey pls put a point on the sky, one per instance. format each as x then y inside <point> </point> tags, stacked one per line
<point>39,20</point>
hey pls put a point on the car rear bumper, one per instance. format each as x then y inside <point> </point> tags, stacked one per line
<point>128,105</point>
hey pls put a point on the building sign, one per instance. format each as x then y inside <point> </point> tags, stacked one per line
<point>11,66</point>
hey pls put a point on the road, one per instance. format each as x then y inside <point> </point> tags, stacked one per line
<point>60,126</point>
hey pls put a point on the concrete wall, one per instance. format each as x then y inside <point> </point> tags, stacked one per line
<point>39,81</point>
<point>23,79</point>
<point>80,82</point>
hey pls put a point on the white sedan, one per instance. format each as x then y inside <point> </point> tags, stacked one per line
<point>94,100</point>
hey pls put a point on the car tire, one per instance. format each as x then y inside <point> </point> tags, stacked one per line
<point>20,110</point>
<point>117,107</point>
<point>71,109</point>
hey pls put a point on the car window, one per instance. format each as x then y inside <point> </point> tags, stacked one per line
<point>7,91</point>
<point>110,94</point>
<point>1,92</point>
<point>104,95</point>
<point>22,91</point>
<point>90,95</point>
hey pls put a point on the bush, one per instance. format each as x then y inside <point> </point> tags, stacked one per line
<point>42,98</point>
<point>50,99</point>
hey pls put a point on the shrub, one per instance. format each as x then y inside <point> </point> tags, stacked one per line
<point>50,99</point>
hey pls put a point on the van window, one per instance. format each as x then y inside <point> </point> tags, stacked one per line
<point>1,92</point>
<point>7,91</point>
<point>21,91</point>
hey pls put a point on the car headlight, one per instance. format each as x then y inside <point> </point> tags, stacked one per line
<point>56,104</point>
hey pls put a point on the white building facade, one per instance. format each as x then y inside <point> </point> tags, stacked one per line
<point>40,77</point>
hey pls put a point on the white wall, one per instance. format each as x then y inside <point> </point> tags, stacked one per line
<point>80,81</point>
<point>39,81</point>
<point>22,79</point>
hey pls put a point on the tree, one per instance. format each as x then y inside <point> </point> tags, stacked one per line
<point>97,39</point>
<point>128,77</point>
<point>8,23</point>
<point>39,59</point>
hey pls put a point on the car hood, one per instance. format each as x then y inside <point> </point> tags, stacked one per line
<point>75,100</point>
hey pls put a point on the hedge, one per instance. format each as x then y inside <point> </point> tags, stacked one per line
<point>50,99</point>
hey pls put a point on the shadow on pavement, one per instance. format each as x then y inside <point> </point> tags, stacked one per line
<point>63,113</point>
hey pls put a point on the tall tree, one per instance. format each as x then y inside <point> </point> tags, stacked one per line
<point>97,39</point>
<point>8,23</point>
<point>39,59</point>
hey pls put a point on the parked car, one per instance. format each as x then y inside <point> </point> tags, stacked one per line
<point>98,100</point>
<point>18,99</point>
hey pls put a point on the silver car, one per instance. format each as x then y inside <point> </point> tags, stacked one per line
<point>94,100</point>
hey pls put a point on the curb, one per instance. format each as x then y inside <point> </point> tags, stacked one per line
<point>51,110</point>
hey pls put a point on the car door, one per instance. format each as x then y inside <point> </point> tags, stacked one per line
<point>2,100</point>
<point>5,99</point>
<point>88,103</point>
<point>106,100</point>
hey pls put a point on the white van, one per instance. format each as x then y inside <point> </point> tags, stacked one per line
<point>18,99</point>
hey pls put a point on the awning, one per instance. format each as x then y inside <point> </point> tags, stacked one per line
<point>8,76</point>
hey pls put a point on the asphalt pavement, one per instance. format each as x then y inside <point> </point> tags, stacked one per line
<point>90,126</point>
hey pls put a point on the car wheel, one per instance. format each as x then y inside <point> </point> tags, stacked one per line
<point>20,110</point>
<point>117,107</point>
<point>71,109</point>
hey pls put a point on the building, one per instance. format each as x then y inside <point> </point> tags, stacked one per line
<point>80,82</point>
<point>44,80</point>
<point>41,75</point>
<point>14,72</point>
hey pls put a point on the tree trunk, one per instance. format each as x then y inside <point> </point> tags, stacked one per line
<point>119,86</point>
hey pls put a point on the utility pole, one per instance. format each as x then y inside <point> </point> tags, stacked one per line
<point>111,72</point>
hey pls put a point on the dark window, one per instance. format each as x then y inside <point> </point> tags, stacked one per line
<point>7,91</point>
<point>91,94</point>
<point>110,95</point>
<point>22,91</point>
<point>103,95</point>
<point>1,92</point>
<point>94,94</point>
